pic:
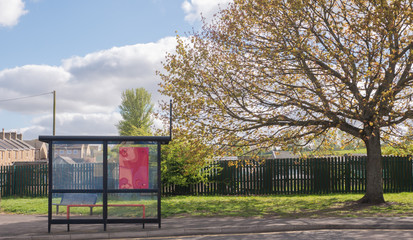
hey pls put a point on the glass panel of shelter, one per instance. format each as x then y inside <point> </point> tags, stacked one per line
<point>132,180</point>
<point>77,179</point>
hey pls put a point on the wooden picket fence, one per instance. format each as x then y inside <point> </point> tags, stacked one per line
<point>246,177</point>
<point>299,176</point>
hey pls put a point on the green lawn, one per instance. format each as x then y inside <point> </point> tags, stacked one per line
<point>295,206</point>
<point>350,152</point>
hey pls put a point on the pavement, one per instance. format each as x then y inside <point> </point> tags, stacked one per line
<point>14,226</point>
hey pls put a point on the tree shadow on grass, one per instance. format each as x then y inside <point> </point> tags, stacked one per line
<point>348,209</point>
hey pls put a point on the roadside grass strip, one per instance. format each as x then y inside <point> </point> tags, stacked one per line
<point>283,206</point>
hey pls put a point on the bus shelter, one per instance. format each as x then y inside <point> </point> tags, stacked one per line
<point>104,179</point>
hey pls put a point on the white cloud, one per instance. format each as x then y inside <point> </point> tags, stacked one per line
<point>72,124</point>
<point>88,88</point>
<point>194,9</point>
<point>27,81</point>
<point>10,12</point>
<point>114,70</point>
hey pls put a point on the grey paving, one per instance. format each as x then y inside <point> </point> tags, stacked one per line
<point>35,227</point>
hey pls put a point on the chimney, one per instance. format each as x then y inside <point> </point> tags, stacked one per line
<point>20,136</point>
<point>7,135</point>
<point>13,135</point>
<point>2,135</point>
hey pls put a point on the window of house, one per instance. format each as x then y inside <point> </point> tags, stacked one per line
<point>75,151</point>
<point>62,151</point>
<point>69,151</point>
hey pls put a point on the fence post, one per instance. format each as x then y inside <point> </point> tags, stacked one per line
<point>268,170</point>
<point>347,174</point>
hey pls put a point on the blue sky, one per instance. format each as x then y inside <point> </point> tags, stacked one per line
<point>89,51</point>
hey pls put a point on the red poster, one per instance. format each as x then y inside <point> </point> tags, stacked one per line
<point>133,167</point>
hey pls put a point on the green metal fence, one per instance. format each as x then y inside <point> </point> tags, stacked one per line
<point>247,177</point>
<point>30,180</point>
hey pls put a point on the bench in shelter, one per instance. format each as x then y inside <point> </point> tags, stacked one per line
<point>77,199</point>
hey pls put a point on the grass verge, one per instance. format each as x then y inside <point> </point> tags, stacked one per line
<point>291,206</point>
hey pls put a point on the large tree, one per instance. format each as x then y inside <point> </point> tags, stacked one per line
<point>271,72</point>
<point>136,110</point>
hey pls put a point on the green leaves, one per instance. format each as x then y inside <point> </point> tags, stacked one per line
<point>320,65</point>
<point>136,110</point>
<point>184,161</point>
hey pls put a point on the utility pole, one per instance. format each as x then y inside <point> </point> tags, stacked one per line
<point>170,119</point>
<point>54,112</point>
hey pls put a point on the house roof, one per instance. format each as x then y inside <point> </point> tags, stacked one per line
<point>65,159</point>
<point>11,141</point>
<point>35,143</point>
<point>284,154</point>
<point>70,146</point>
<point>12,144</point>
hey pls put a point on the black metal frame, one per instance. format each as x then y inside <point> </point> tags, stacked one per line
<point>104,140</point>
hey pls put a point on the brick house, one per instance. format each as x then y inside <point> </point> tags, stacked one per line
<point>14,149</point>
<point>77,152</point>
<point>41,149</point>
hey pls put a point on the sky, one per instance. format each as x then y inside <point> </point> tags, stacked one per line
<point>89,52</point>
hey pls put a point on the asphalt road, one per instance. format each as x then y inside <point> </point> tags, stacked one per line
<point>316,234</point>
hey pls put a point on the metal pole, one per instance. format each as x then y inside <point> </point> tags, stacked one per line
<point>54,113</point>
<point>50,192</point>
<point>105,185</point>
<point>159,184</point>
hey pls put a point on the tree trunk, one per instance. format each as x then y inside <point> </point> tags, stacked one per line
<point>374,172</point>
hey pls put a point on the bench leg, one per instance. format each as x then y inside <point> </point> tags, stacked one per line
<point>91,211</point>
<point>57,209</point>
